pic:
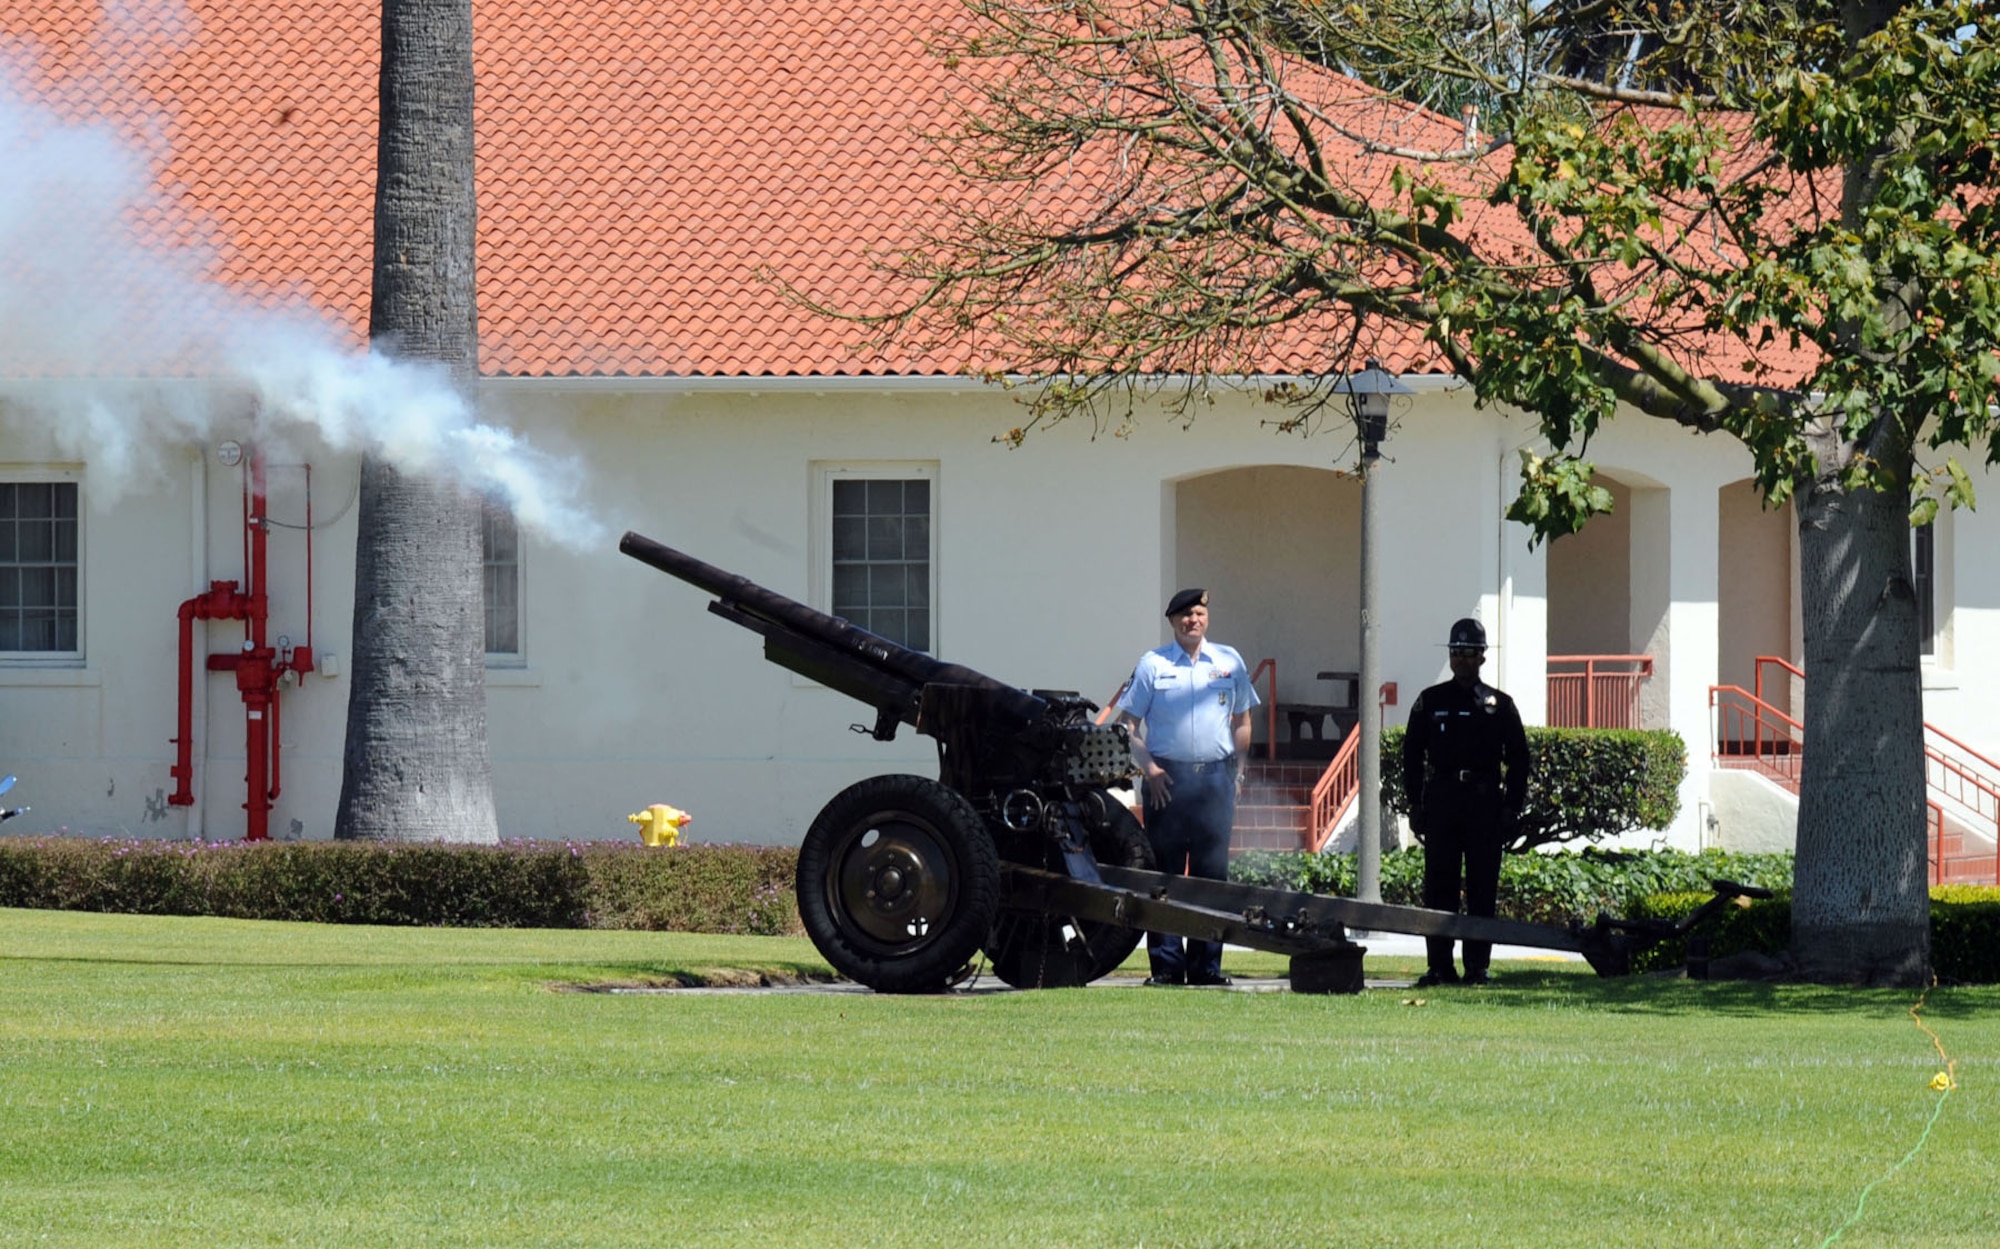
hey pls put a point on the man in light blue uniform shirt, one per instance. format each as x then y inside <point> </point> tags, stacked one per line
<point>1188,705</point>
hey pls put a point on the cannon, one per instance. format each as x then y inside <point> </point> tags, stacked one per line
<point>1018,850</point>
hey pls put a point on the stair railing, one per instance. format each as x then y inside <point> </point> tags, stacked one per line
<point>1965,782</point>
<point>1747,732</point>
<point>1338,786</point>
<point>1962,783</point>
<point>1109,711</point>
<point>1270,704</point>
<point>1785,666</point>
<point>1934,817</point>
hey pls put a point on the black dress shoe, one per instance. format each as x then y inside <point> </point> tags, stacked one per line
<point>1166,981</point>
<point>1216,980</point>
<point>1432,979</point>
<point>1477,977</point>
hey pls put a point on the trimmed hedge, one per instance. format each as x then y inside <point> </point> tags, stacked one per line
<point>1651,884</point>
<point>1764,927</point>
<point>1965,931</point>
<point>523,884</point>
<point>1586,784</point>
<point>1550,888</point>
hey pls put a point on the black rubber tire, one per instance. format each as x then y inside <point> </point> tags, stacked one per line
<point>898,883</point>
<point>1028,949</point>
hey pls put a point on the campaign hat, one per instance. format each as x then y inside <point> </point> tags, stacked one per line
<point>1467,634</point>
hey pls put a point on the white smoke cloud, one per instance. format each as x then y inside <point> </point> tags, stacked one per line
<point>117,343</point>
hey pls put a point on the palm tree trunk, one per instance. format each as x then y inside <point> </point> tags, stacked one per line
<point>416,766</point>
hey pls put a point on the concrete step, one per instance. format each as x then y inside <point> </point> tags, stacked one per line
<point>1964,856</point>
<point>1269,814</point>
<point>1266,838</point>
<point>1274,810</point>
<point>1280,773</point>
<point>1967,872</point>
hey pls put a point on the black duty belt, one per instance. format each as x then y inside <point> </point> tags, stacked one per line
<point>1210,765</point>
<point>1472,776</point>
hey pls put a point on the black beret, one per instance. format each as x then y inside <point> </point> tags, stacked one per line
<point>1186,599</point>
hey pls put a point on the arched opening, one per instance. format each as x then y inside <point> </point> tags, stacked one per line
<point>1608,611</point>
<point>1754,589</point>
<point>1278,548</point>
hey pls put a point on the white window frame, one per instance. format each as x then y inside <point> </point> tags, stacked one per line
<point>70,475</point>
<point>518,657</point>
<point>1937,648</point>
<point>824,474</point>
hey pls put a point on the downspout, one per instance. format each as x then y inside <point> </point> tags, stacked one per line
<point>255,674</point>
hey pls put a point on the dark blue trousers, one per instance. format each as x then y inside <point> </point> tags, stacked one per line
<point>1190,837</point>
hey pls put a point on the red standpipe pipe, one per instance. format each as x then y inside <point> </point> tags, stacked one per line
<point>257,667</point>
<point>256,676</point>
<point>220,602</point>
<point>183,769</point>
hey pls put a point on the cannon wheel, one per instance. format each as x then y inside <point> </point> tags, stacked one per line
<point>1028,949</point>
<point>898,883</point>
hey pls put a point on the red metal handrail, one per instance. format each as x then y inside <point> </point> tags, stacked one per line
<point>1594,699</point>
<point>1110,708</point>
<point>1270,705</point>
<point>1963,749</point>
<point>1335,792</point>
<point>1954,773</point>
<point>1775,661</point>
<point>1775,741</point>
<point>1958,781</point>
<point>1937,842</point>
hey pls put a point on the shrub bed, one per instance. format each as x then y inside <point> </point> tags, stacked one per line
<point>1585,784</point>
<point>1543,888</point>
<point>523,884</point>
<point>1965,931</point>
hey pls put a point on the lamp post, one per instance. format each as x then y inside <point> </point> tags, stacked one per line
<point>1368,394</point>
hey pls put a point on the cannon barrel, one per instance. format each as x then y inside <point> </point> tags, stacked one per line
<point>895,674</point>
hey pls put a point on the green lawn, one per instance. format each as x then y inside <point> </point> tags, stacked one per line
<point>217,1083</point>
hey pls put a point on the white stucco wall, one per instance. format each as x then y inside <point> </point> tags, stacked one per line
<point>1054,562</point>
<point>1752,815</point>
<point>1590,573</point>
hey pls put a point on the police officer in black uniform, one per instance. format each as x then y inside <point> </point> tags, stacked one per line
<point>1465,769</point>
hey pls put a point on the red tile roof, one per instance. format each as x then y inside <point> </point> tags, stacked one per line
<point>646,167</point>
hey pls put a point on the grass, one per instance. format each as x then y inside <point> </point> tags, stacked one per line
<point>220,1083</point>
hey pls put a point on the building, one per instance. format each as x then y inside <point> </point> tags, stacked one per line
<point>652,177</point>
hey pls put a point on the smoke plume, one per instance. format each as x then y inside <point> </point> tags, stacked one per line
<point>117,342</point>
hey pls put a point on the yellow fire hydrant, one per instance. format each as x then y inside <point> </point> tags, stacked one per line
<point>660,824</point>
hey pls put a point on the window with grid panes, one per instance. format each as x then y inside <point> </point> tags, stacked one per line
<point>38,567</point>
<point>500,558</point>
<point>881,540</point>
<point>1923,582</point>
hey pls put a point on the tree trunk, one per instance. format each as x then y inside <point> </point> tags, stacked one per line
<point>1860,899</point>
<point>416,767</point>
